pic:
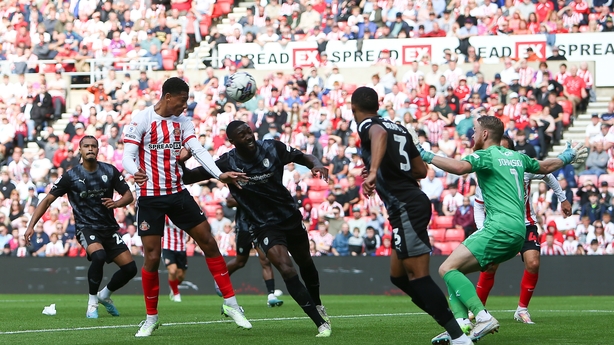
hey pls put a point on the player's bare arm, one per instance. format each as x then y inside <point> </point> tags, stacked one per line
<point>124,201</point>
<point>378,137</point>
<point>313,163</point>
<point>231,202</point>
<point>36,216</point>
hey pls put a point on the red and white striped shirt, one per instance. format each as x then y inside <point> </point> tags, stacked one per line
<point>435,129</point>
<point>452,76</point>
<point>570,20</point>
<point>587,76</point>
<point>526,76</point>
<point>512,111</point>
<point>174,238</point>
<point>159,140</point>
<point>410,79</point>
<point>556,249</point>
<point>397,100</point>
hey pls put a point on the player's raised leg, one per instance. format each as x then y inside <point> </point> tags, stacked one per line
<point>98,258</point>
<point>127,271</point>
<point>278,256</point>
<point>201,233</point>
<point>269,280</point>
<point>527,285</point>
<point>453,270</point>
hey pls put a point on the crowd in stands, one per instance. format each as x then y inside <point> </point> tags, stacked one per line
<point>310,109</point>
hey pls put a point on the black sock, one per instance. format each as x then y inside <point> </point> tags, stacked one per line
<point>270,285</point>
<point>403,284</point>
<point>299,293</point>
<point>94,274</point>
<point>436,304</point>
<point>311,278</point>
<point>122,276</point>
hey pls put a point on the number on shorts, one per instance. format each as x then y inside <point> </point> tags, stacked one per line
<point>397,237</point>
<point>532,237</point>
<point>515,173</point>
<point>402,141</point>
<point>118,239</point>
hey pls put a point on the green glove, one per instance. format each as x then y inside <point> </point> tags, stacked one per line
<point>575,154</point>
<point>427,156</point>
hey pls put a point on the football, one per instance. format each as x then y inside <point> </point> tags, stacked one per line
<point>241,87</point>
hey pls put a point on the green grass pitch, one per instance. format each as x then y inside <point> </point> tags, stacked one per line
<point>374,320</point>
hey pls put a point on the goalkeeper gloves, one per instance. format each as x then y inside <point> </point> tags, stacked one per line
<point>576,154</point>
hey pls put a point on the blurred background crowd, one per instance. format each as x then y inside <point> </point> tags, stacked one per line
<point>307,108</point>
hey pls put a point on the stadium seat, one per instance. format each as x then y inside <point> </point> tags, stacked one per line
<point>210,209</point>
<point>444,182</point>
<point>443,194</point>
<point>317,185</point>
<point>317,197</point>
<point>221,8</point>
<point>607,178</point>
<point>168,59</point>
<point>455,235</point>
<point>441,222</point>
<point>205,24</point>
<point>583,178</point>
<point>445,247</point>
<point>438,234</point>
<point>350,88</point>
<point>344,183</point>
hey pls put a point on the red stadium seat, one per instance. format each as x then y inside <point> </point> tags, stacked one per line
<point>317,197</point>
<point>455,235</point>
<point>168,59</point>
<point>443,194</point>
<point>583,28</point>
<point>442,222</point>
<point>607,178</point>
<point>583,178</point>
<point>350,88</point>
<point>445,247</point>
<point>344,183</point>
<point>316,184</point>
<point>221,8</point>
<point>205,24</point>
<point>438,234</point>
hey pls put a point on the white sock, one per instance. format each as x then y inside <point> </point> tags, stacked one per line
<point>92,300</point>
<point>521,308</point>
<point>105,293</point>
<point>152,318</point>
<point>483,316</point>
<point>462,321</point>
<point>272,296</point>
<point>463,339</point>
<point>231,302</point>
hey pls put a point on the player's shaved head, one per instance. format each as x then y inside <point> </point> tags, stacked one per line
<point>175,86</point>
<point>88,137</point>
<point>365,99</point>
<point>508,143</point>
<point>232,128</point>
<point>494,126</point>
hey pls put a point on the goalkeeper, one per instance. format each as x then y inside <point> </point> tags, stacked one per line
<point>500,174</point>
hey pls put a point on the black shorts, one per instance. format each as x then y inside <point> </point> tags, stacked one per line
<point>175,257</point>
<point>245,242</point>
<point>291,234</point>
<point>531,241</point>
<point>111,241</point>
<point>409,228</point>
<point>180,207</point>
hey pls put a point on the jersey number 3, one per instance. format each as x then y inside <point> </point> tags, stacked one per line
<point>402,141</point>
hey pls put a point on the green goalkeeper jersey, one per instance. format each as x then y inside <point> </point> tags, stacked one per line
<point>500,174</point>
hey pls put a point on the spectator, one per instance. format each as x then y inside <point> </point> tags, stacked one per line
<point>597,161</point>
<point>372,241</point>
<point>594,248</point>
<point>323,239</point>
<point>356,243</point>
<point>463,217</point>
<point>594,209</point>
<point>451,201</point>
<point>218,223</point>
<point>39,241</point>
<point>341,246</point>
<point>432,187</point>
<point>550,247</point>
<point>385,249</point>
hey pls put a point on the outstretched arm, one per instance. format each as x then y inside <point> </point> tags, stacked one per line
<point>450,165</point>
<point>313,163</point>
<point>38,213</point>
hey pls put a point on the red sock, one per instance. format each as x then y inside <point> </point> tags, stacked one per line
<point>219,271</point>
<point>484,285</point>
<point>527,285</point>
<point>174,284</point>
<point>151,289</point>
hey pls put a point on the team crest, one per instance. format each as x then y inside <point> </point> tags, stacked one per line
<point>104,178</point>
<point>144,226</point>
<point>92,237</point>
<point>177,131</point>
<point>266,162</point>
<point>265,241</point>
<point>167,261</point>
